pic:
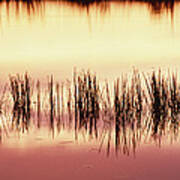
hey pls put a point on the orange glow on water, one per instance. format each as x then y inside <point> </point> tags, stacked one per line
<point>52,37</point>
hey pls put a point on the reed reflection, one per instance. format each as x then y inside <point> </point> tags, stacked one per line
<point>22,7</point>
<point>38,7</point>
<point>144,108</point>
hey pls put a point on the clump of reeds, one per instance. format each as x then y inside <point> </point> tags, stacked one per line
<point>129,102</point>
<point>38,104</point>
<point>58,107</point>
<point>135,96</point>
<point>69,103</point>
<point>86,96</point>
<point>20,91</point>
<point>164,98</point>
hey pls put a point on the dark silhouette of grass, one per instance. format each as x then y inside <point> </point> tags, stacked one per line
<point>36,6</point>
<point>86,102</point>
<point>20,90</point>
<point>51,102</point>
<point>38,104</point>
<point>58,107</point>
<point>143,107</point>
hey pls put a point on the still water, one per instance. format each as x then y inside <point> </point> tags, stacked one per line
<point>53,37</point>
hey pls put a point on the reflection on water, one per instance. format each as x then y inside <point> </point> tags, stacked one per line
<point>137,109</point>
<point>58,35</point>
<point>34,6</point>
<point>58,128</point>
<point>18,8</point>
<point>142,109</point>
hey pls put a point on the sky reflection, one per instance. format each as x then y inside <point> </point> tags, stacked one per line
<point>59,37</point>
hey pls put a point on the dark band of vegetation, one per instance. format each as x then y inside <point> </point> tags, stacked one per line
<point>32,6</point>
<point>139,105</point>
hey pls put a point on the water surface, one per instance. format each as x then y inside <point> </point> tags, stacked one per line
<point>109,37</point>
